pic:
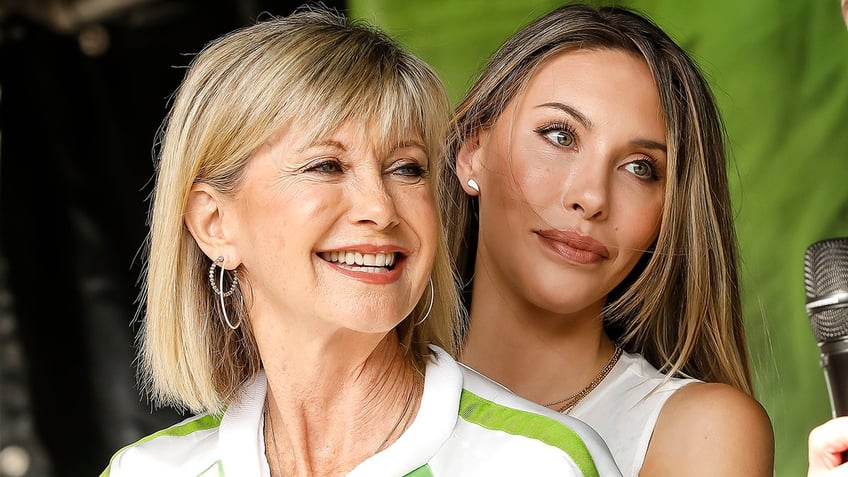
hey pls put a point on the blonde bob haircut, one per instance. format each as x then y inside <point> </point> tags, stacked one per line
<point>680,307</point>
<point>314,68</point>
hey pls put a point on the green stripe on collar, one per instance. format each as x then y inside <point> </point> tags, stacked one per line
<point>489,415</point>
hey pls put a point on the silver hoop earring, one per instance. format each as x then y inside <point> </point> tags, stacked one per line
<point>430,306</point>
<point>474,185</point>
<point>219,290</point>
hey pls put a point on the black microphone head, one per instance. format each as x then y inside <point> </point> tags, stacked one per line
<point>826,283</point>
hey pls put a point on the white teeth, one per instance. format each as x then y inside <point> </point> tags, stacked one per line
<point>360,259</point>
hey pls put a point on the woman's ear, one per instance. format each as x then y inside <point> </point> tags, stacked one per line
<point>467,164</point>
<point>204,219</point>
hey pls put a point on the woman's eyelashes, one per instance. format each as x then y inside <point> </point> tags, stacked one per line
<point>409,170</point>
<point>325,166</point>
<point>644,168</point>
<point>406,170</point>
<point>558,133</point>
<point>562,134</point>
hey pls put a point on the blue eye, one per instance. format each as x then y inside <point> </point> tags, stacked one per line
<point>411,170</point>
<point>327,167</point>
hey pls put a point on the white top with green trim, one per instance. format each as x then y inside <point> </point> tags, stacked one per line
<point>624,408</point>
<point>466,426</point>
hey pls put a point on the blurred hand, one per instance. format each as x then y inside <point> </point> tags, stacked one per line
<point>826,444</point>
<point>845,11</point>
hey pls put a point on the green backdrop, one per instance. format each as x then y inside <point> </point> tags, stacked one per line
<point>780,72</point>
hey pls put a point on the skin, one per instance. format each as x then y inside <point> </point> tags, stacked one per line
<point>845,12</point>
<point>299,202</point>
<point>826,444</point>
<point>599,182</point>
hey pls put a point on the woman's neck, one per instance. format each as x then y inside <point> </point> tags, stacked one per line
<point>324,420</point>
<point>538,354</point>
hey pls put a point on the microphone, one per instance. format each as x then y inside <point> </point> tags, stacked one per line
<point>826,284</point>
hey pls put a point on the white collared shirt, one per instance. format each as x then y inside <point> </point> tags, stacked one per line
<point>466,426</point>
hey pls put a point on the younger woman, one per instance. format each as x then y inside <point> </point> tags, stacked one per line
<point>591,220</point>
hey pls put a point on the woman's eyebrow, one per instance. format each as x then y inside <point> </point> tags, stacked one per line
<point>571,110</point>
<point>650,144</point>
<point>328,143</point>
<point>587,123</point>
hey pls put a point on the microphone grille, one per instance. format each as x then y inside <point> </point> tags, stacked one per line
<point>826,276</point>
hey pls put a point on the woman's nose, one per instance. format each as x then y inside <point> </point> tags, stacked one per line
<point>586,190</point>
<point>373,203</point>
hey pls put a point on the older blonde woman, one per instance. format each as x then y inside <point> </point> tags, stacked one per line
<point>299,295</point>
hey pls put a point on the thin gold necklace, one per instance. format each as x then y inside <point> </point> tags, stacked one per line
<point>569,402</point>
<point>413,392</point>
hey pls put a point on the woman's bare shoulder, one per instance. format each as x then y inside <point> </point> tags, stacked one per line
<point>711,429</point>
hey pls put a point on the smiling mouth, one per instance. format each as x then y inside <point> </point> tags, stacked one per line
<point>362,262</point>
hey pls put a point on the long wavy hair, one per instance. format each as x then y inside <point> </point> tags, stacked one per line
<point>313,67</point>
<point>680,307</point>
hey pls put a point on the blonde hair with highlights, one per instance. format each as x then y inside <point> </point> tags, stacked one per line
<point>313,67</point>
<point>680,307</point>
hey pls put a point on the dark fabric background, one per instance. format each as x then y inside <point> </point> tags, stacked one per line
<point>75,170</point>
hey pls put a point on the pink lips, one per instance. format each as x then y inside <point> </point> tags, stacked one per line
<point>573,246</point>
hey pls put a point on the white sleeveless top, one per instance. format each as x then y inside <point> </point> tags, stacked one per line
<point>624,409</point>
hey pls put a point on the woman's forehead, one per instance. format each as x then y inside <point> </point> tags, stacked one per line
<point>310,132</point>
